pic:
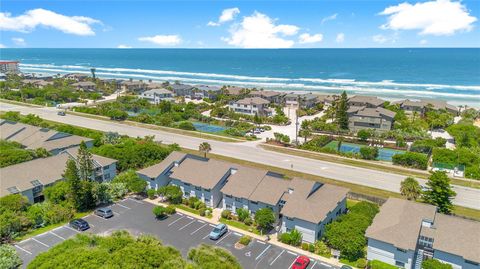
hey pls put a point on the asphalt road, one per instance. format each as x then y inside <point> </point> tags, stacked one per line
<point>180,231</point>
<point>467,197</point>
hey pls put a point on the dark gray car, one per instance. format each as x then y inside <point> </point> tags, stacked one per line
<point>104,212</point>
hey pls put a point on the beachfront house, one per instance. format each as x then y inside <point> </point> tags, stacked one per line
<point>7,67</point>
<point>234,91</point>
<point>76,76</point>
<point>205,91</point>
<point>86,86</point>
<point>31,177</point>
<point>361,117</point>
<point>155,96</point>
<point>272,96</point>
<point>421,106</point>
<point>365,101</point>
<point>405,233</point>
<point>251,106</point>
<point>133,86</point>
<point>304,101</point>
<point>327,100</point>
<point>37,83</point>
<point>33,137</point>
<point>181,89</point>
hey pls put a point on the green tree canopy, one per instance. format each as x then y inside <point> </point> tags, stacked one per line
<point>132,181</point>
<point>440,192</point>
<point>410,188</point>
<point>265,218</point>
<point>9,258</point>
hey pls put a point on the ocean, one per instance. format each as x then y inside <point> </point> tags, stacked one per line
<point>447,74</point>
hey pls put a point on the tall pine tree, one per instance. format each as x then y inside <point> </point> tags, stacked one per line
<point>85,162</point>
<point>440,192</point>
<point>341,114</point>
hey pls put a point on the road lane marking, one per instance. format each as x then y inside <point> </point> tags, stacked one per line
<point>34,239</point>
<point>180,214</point>
<point>213,225</point>
<point>57,235</point>
<point>293,262</point>
<point>225,236</point>
<point>186,225</point>
<point>206,236</point>
<point>115,212</point>
<point>277,257</point>
<point>327,265</point>
<point>198,229</point>
<point>71,229</point>
<point>138,202</point>
<point>263,252</point>
<point>315,263</point>
<point>176,221</point>
<point>28,252</point>
<point>123,206</point>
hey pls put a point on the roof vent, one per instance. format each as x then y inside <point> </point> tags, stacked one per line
<point>233,171</point>
<point>290,190</point>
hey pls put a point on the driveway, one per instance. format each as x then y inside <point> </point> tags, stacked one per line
<point>179,230</point>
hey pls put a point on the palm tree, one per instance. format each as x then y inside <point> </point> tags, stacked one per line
<point>410,188</point>
<point>205,148</point>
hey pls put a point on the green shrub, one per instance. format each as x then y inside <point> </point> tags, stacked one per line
<point>160,212</point>
<point>248,221</point>
<point>264,218</point>
<point>226,214</point>
<point>186,125</point>
<point>322,249</point>
<point>294,238</point>
<point>192,201</point>
<point>311,248</point>
<point>411,159</point>
<point>245,240</point>
<point>202,211</point>
<point>151,194</point>
<point>364,134</point>
<point>172,193</point>
<point>361,263</point>
<point>435,264</point>
<point>285,238</point>
<point>305,246</point>
<point>170,210</point>
<point>9,257</point>
<point>242,214</point>
<point>369,153</point>
<point>376,264</point>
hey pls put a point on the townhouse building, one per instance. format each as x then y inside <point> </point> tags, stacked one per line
<point>251,106</point>
<point>133,86</point>
<point>86,86</point>
<point>304,101</point>
<point>405,233</point>
<point>365,101</point>
<point>272,96</point>
<point>362,117</point>
<point>421,106</point>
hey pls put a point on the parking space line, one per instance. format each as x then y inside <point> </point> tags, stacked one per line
<point>188,217</point>
<point>325,264</point>
<point>198,229</point>
<point>212,225</point>
<point>57,235</point>
<point>34,239</point>
<point>313,266</point>
<point>58,228</point>
<point>115,212</point>
<point>206,236</point>
<point>138,202</point>
<point>71,229</point>
<point>261,242</point>
<point>201,221</point>
<point>263,252</point>
<point>223,238</point>
<point>123,206</point>
<point>237,234</point>
<point>186,225</point>
<point>176,221</point>
<point>180,214</point>
<point>277,257</point>
<point>293,253</point>
<point>293,261</point>
<point>28,252</point>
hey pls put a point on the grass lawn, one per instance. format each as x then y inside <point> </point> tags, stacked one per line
<point>189,209</point>
<point>351,203</point>
<point>458,210</point>
<point>351,263</point>
<point>49,227</point>
<point>240,225</point>
<point>366,164</point>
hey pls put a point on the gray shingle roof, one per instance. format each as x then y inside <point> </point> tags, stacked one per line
<point>253,101</point>
<point>203,173</point>
<point>157,169</point>
<point>373,100</point>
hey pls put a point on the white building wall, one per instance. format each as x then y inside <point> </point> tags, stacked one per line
<point>388,253</point>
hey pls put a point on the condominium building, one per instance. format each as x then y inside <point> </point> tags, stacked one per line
<point>379,118</point>
<point>155,96</point>
<point>9,67</point>
<point>251,106</point>
<point>405,233</point>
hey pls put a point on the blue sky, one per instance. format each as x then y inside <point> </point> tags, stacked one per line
<point>240,24</point>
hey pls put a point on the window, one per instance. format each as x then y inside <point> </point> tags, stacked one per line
<point>228,206</point>
<point>399,264</point>
<point>471,262</point>
<point>255,203</point>
<point>198,188</point>
<point>238,199</point>
<point>106,167</point>
<point>401,250</point>
<point>229,196</point>
<point>288,218</point>
<point>107,176</point>
<point>186,184</point>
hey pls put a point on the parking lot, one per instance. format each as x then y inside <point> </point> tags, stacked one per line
<point>179,230</point>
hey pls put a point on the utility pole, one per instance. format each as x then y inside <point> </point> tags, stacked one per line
<point>296,128</point>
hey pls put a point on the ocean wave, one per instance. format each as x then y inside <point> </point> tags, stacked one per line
<point>297,87</point>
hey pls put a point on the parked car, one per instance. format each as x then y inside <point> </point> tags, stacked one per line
<point>301,262</point>
<point>61,113</point>
<point>79,224</point>
<point>346,267</point>
<point>104,212</point>
<point>218,231</point>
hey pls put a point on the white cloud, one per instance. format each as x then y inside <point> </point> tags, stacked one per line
<point>2,46</point>
<point>330,18</point>
<point>227,15</point>
<point>423,42</point>
<point>308,39</point>
<point>162,40</point>
<point>27,22</point>
<point>438,17</point>
<point>122,46</point>
<point>340,38</point>
<point>379,39</point>
<point>19,41</point>
<point>260,31</point>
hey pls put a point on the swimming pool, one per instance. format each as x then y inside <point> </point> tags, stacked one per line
<point>208,128</point>
<point>384,154</point>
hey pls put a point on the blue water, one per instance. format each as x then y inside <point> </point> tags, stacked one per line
<point>448,74</point>
<point>384,154</point>
<point>208,128</point>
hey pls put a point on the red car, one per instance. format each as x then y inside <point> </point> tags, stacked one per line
<point>301,262</point>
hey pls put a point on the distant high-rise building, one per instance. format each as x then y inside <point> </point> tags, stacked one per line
<point>9,67</point>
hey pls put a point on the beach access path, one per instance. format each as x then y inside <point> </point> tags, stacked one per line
<point>251,151</point>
